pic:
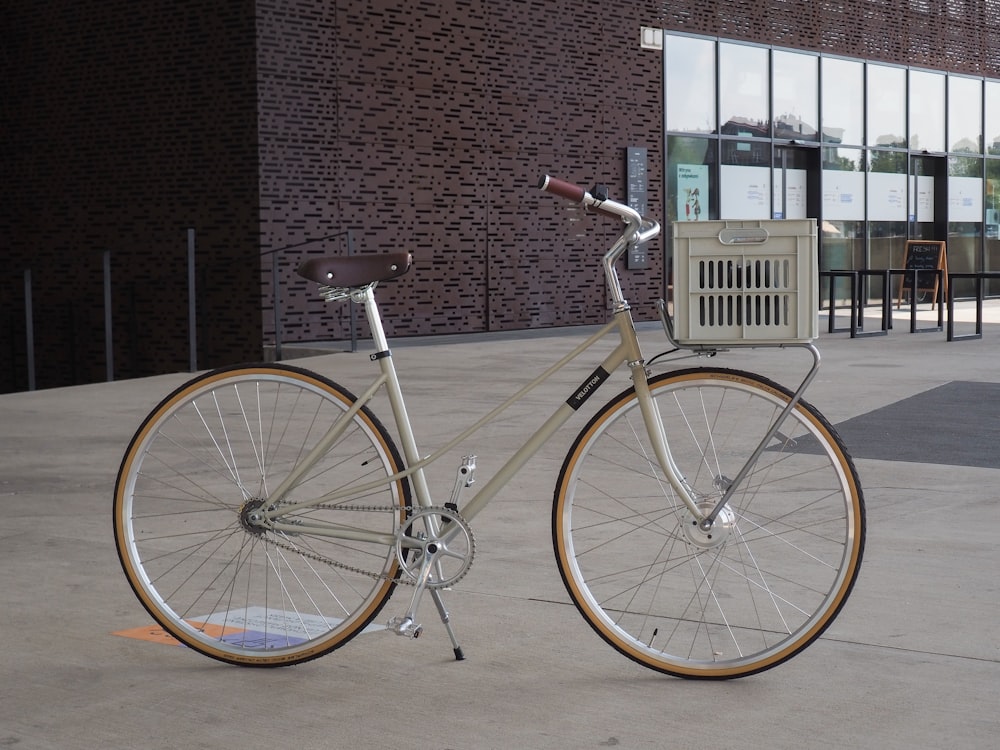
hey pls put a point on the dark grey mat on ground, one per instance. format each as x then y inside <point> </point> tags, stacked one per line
<point>957,424</point>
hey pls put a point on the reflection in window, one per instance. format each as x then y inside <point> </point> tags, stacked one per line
<point>743,97</point>
<point>887,162</point>
<point>843,101</point>
<point>993,117</point>
<point>965,115</point>
<point>886,106</point>
<point>927,111</point>
<point>749,153</point>
<point>690,81</point>
<point>844,159</point>
<point>796,96</point>
<point>691,179</point>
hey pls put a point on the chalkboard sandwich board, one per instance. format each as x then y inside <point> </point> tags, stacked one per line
<point>925,257</point>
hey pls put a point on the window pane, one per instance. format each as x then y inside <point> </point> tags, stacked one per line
<point>965,189</point>
<point>886,244</point>
<point>841,246</point>
<point>922,189</point>
<point>886,106</point>
<point>965,217</point>
<point>745,187</point>
<point>927,111</point>
<point>691,179</point>
<point>993,117</point>
<point>843,184</point>
<point>965,115</point>
<point>887,186</point>
<point>992,222</point>
<point>843,101</point>
<point>790,181</point>
<point>743,100</point>
<point>796,96</point>
<point>690,77</point>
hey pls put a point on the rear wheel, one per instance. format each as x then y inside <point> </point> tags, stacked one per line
<point>757,588</point>
<point>195,478</point>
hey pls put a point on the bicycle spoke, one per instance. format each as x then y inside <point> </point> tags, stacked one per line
<point>196,477</point>
<point>756,588</point>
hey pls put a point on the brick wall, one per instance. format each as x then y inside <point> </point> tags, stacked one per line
<point>417,125</point>
<point>125,123</point>
<point>425,126</point>
<point>961,36</point>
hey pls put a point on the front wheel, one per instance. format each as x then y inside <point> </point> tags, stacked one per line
<point>757,588</point>
<point>199,475</point>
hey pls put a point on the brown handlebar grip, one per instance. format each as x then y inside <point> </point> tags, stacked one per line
<point>563,189</point>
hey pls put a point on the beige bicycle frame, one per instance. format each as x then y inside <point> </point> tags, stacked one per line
<point>627,351</point>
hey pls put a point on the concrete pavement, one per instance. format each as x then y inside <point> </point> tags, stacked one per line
<point>912,662</point>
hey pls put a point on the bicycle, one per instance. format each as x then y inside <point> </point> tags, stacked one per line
<point>707,523</point>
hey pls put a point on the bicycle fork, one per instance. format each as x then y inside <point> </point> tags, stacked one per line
<point>705,514</point>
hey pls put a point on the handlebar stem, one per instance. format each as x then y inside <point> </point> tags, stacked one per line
<point>638,229</point>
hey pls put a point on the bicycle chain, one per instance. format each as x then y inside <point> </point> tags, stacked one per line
<point>399,581</point>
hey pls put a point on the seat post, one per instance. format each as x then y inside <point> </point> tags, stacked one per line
<point>383,356</point>
<point>367,295</point>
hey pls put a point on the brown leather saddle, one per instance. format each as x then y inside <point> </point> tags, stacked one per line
<point>357,270</point>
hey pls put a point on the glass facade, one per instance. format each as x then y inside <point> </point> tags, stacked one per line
<point>843,100</point>
<point>926,111</point>
<point>878,154</point>
<point>795,83</point>
<point>744,90</point>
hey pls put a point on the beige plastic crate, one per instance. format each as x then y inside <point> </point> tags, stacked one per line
<point>745,282</point>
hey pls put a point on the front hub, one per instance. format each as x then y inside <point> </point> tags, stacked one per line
<point>711,535</point>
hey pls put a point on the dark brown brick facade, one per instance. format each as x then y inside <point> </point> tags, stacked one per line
<point>416,125</point>
<point>125,123</point>
<point>427,130</point>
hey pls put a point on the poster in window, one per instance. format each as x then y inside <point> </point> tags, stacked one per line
<point>924,192</point>
<point>886,196</point>
<point>791,182</point>
<point>692,192</point>
<point>745,192</point>
<point>843,195</point>
<point>965,199</point>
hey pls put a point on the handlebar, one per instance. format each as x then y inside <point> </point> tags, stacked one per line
<point>641,228</point>
<point>563,189</point>
<point>638,229</point>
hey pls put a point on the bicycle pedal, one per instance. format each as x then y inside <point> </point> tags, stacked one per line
<point>405,626</point>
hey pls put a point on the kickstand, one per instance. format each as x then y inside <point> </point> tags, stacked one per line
<point>439,603</point>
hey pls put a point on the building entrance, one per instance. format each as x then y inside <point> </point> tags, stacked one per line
<point>796,173</point>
